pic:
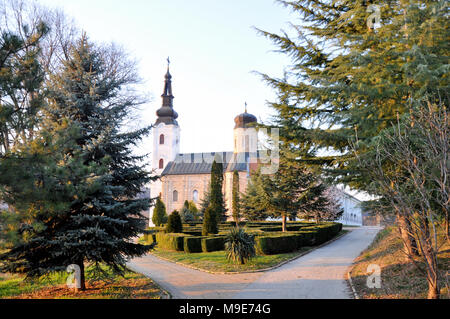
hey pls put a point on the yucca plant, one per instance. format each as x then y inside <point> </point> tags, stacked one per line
<point>239,245</point>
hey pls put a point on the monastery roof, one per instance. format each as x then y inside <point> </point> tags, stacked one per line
<point>201,163</point>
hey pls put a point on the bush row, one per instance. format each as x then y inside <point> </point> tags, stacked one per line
<point>278,243</point>
<point>188,243</point>
<point>269,242</point>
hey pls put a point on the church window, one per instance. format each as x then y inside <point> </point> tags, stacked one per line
<point>175,196</point>
<point>161,139</point>
<point>195,196</point>
<point>161,163</point>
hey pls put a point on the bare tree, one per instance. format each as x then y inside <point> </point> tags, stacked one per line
<point>410,173</point>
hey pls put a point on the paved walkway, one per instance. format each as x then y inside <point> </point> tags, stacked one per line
<point>319,274</point>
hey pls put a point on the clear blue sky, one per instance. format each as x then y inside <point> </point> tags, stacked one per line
<point>213,49</point>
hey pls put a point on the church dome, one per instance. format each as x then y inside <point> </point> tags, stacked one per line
<point>167,111</point>
<point>245,120</point>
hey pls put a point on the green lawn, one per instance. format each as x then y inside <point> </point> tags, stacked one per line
<point>131,286</point>
<point>217,261</point>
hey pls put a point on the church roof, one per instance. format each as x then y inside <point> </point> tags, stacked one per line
<point>201,163</point>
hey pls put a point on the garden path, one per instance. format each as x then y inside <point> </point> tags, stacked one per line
<point>318,274</point>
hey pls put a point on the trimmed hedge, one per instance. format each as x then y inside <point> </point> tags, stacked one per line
<point>193,244</point>
<point>300,234</point>
<point>193,233</point>
<point>280,244</point>
<point>171,241</point>
<point>210,244</point>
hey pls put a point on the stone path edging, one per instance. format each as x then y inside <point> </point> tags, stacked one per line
<point>257,270</point>
<point>350,282</point>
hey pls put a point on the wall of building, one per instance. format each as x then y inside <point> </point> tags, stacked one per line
<point>185,185</point>
<point>352,210</point>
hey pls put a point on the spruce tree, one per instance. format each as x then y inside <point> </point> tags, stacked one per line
<point>91,176</point>
<point>159,213</point>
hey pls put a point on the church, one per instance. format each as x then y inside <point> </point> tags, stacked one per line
<point>186,176</point>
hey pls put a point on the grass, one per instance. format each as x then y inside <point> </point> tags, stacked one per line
<point>130,286</point>
<point>217,261</point>
<point>400,278</point>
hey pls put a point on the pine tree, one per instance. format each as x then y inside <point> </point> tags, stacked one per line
<point>21,83</point>
<point>174,224</point>
<point>253,208</point>
<point>293,190</point>
<point>92,178</point>
<point>348,81</point>
<point>236,201</point>
<point>159,213</point>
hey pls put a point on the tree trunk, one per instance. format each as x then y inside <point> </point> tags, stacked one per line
<point>82,276</point>
<point>283,223</point>
<point>430,257</point>
<point>406,233</point>
<point>433,290</point>
<point>446,226</point>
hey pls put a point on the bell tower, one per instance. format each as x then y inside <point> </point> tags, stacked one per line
<point>166,136</point>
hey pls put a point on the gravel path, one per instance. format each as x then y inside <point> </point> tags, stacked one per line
<point>319,274</point>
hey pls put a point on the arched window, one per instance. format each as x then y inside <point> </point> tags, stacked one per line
<point>161,163</point>
<point>175,196</point>
<point>161,139</point>
<point>195,196</point>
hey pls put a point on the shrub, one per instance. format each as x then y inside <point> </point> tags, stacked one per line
<point>210,244</point>
<point>159,213</point>
<point>193,244</point>
<point>174,224</point>
<point>209,222</point>
<point>277,244</point>
<point>171,241</point>
<point>240,246</point>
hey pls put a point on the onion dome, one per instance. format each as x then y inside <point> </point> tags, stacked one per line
<point>245,119</point>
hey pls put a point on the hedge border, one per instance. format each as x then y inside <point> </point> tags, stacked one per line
<point>258,270</point>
